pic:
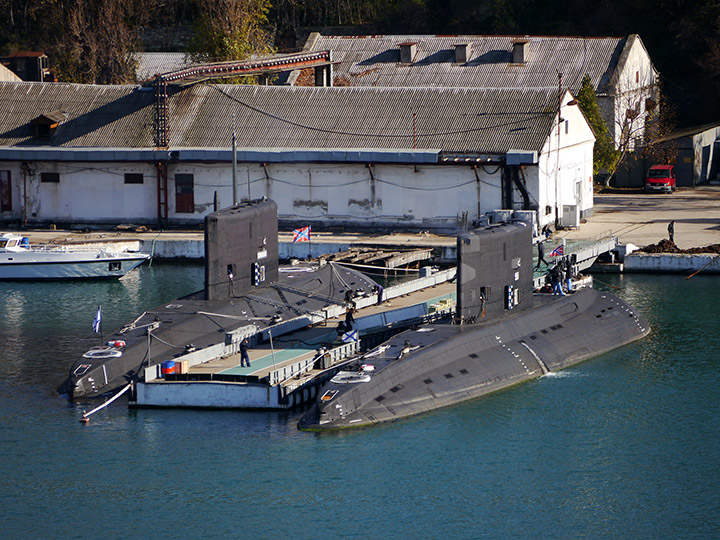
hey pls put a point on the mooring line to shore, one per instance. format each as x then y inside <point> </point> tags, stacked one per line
<point>703,268</point>
<point>85,417</point>
<point>604,283</point>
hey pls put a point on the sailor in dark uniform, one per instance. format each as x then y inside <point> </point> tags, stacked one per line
<point>244,356</point>
<point>555,277</point>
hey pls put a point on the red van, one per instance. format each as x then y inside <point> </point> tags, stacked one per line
<point>660,178</point>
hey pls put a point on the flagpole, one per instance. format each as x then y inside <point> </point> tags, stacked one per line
<point>97,323</point>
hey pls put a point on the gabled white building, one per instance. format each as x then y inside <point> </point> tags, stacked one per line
<point>410,158</point>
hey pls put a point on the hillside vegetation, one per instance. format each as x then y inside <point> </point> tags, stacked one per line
<point>92,41</point>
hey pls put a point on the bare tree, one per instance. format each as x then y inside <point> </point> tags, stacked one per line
<point>642,118</point>
<point>98,42</point>
<point>230,30</point>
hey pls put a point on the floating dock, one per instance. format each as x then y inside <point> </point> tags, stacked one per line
<point>286,371</point>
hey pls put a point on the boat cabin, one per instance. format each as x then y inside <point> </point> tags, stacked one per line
<point>13,242</point>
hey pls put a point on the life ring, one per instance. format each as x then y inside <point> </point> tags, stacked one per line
<point>350,377</point>
<point>102,353</point>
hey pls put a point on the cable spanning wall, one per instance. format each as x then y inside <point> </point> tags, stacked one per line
<point>320,60</point>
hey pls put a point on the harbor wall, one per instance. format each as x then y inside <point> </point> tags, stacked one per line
<point>672,263</point>
<point>221,395</point>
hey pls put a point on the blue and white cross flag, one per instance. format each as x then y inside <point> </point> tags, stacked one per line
<point>96,321</point>
<point>349,337</point>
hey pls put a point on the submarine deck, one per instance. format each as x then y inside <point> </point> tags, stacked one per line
<point>286,363</point>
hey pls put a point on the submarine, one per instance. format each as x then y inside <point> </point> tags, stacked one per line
<point>502,334</point>
<point>246,295</point>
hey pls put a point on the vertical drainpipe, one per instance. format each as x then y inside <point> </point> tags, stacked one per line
<point>24,170</point>
<point>507,183</point>
<point>234,166</point>
<point>477,186</point>
<point>372,189</point>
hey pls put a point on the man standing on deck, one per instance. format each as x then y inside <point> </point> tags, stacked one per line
<point>244,357</point>
<point>541,255</point>
<point>568,271</point>
<point>671,232</point>
<point>555,277</point>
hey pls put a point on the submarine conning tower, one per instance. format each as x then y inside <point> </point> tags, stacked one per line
<point>241,248</point>
<point>494,271</point>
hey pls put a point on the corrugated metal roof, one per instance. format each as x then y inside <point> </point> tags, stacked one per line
<point>375,61</point>
<point>97,116</point>
<point>8,76</point>
<point>472,120</point>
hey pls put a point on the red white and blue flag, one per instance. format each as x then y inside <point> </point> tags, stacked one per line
<point>558,251</point>
<point>301,235</point>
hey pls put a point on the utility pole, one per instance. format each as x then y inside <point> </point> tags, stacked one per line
<point>557,161</point>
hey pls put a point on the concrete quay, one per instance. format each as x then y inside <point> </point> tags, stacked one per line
<point>642,219</point>
<point>189,244</point>
<point>634,217</point>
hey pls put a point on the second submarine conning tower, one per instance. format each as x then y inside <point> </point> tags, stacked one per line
<point>241,248</point>
<point>494,271</point>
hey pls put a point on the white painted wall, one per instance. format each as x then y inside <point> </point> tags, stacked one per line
<point>429,196</point>
<point>566,176</point>
<point>636,82</point>
<point>86,192</point>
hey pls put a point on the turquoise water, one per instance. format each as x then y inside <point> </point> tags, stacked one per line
<point>625,445</point>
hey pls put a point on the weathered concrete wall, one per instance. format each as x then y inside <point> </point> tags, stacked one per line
<point>631,86</point>
<point>399,196</point>
<point>672,263</point>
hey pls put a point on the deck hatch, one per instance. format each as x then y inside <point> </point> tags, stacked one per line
<point>464,371</point>
<point>448,375</point>
<point>379,398</point>
<point>473,355</point>
<point>396,389</point>
<point>428,381</point>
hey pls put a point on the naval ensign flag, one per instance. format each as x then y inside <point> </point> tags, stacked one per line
<point>96,321</point>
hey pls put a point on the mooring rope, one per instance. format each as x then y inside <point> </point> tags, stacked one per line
<point>85,415</point>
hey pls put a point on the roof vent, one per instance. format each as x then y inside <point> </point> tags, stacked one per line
<point>463,52</point>
<point>521,49</point>
<point>407,52</point>
<point>47,123</point>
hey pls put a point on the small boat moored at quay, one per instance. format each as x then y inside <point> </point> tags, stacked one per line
<point>19,260</point>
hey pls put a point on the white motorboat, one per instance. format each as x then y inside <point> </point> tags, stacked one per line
<point>20,260</point>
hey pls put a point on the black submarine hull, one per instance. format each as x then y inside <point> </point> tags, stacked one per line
<point>192,324</point>
<point>246,293</point>
<point>440,365</point>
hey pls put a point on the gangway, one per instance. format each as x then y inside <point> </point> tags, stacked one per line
<point>583,252</point>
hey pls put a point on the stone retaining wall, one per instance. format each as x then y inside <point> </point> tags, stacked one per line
<point>672,263</point>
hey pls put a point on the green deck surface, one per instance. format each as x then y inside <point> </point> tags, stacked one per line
<point>267,361</point>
